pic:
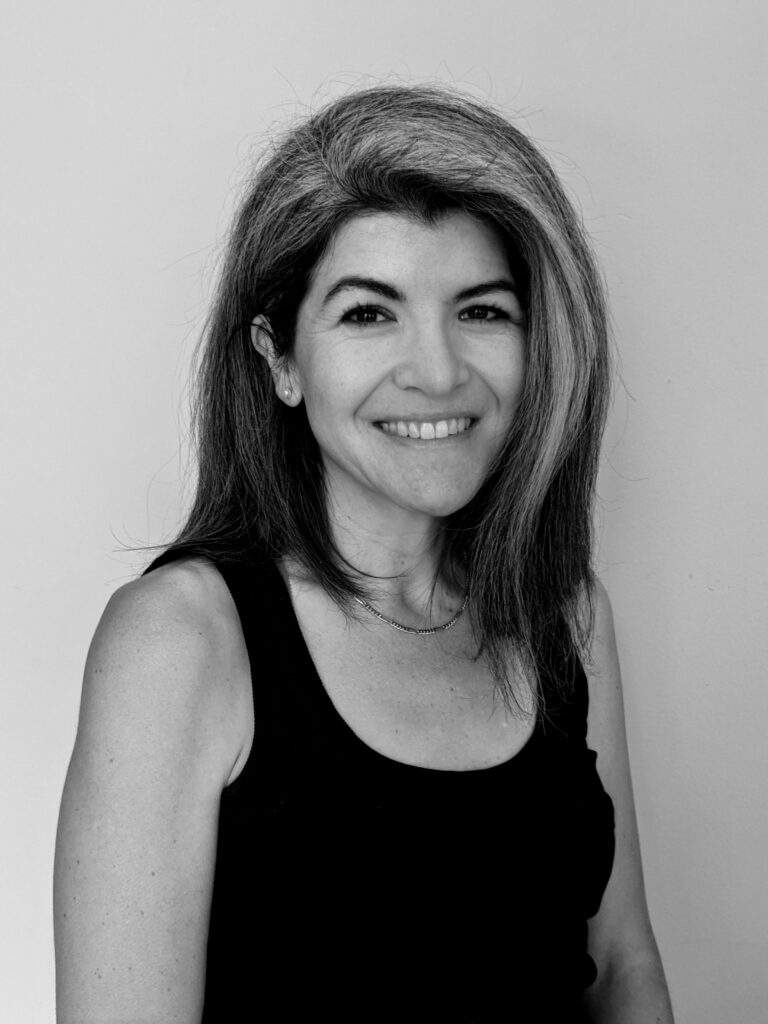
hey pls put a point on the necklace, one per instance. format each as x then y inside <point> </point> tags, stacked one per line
<point>429,631</point>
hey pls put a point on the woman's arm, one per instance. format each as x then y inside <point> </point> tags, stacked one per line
<point>157,740</point>
<point>630,988</point>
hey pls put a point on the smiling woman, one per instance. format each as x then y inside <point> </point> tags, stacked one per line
<point>353,746</point>
<point>405,341</point>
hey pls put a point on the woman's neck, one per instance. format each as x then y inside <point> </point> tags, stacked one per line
<point>397,554</point>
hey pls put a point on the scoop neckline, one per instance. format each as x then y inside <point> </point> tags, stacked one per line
<point>326,706</point>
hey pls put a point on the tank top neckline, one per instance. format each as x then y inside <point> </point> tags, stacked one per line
<point>316,691</point>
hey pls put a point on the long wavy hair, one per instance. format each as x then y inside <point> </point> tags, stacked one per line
<point>523,545</point>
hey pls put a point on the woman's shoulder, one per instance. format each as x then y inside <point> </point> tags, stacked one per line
<point>186,585</point>
<point>601,664</point>
<point>606,729</point>
<point>601,602</point>
<point>170,642</point>
<point>183,601</point>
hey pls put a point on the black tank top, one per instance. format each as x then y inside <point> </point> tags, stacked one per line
<point>352,887</point>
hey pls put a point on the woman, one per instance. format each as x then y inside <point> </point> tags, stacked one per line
<point>338,754</point>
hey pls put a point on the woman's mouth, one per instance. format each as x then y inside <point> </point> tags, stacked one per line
<point>427,430</point>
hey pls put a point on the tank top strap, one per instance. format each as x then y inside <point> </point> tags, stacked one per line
<point>259,595</point>
<point>255,585</point>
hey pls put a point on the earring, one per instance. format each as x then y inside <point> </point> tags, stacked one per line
<point>288,392</point>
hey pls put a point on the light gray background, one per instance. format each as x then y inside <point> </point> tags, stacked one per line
<point>126,128</point>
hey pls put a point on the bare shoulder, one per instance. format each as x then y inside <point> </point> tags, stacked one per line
<point>186,596</point>
<point>603,634</point>
<point>169,650</point>
<point>606,709</point>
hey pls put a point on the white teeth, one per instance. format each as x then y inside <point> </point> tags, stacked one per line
<point>427,431</point>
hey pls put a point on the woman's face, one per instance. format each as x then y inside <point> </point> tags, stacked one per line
<point>410,356</point>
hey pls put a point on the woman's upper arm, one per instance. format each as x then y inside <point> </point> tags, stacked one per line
<point>620,934</point>
<point>137,831</point>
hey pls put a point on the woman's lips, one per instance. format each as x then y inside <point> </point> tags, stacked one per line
<point>427,430</point>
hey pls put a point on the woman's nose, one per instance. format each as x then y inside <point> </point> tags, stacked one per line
<point>432,360</point>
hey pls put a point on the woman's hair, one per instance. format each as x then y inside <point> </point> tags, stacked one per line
<point>523,544</point>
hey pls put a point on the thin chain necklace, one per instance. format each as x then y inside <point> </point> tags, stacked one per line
<point>429,631</point>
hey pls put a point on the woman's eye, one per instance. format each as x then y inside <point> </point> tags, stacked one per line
<point>485,313</point>
<point>361,316</point>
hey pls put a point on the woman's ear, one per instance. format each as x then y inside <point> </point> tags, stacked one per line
<point>283,374</point>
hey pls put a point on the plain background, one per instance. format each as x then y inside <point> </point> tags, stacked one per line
<point>126,129</point>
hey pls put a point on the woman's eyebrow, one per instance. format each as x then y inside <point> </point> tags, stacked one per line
<point>369,283</point>
<point>500,284</point>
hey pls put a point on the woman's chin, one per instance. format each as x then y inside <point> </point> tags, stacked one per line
<point>393,494</point>
<point>440,504</point>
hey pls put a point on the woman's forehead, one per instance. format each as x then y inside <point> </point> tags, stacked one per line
<point>401,247</point>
